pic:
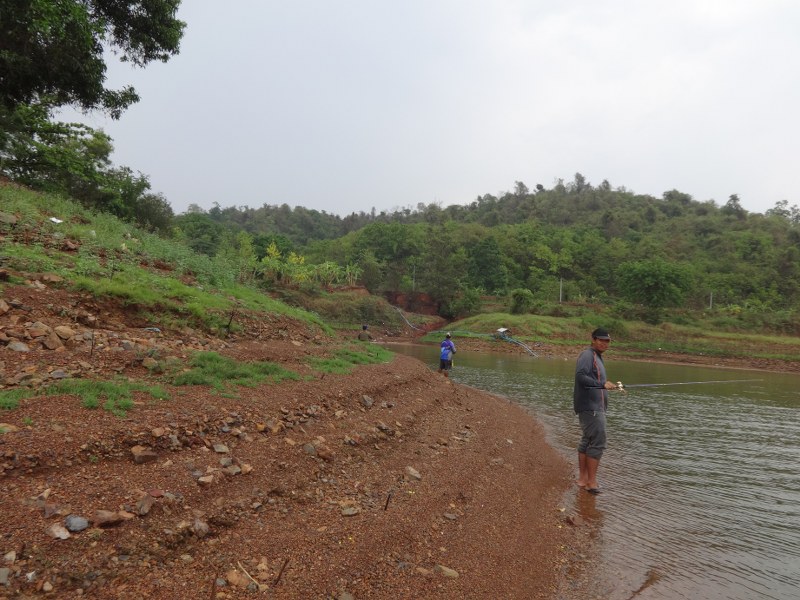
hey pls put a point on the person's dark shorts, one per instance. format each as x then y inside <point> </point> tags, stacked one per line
<point>593,425</point>
<point>445,365</point>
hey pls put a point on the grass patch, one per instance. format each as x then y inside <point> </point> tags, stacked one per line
<point>116,259</point>
<point>345,359</point>
<point>220,372</point>
<point>117,396</point>
<point>9,399</point>
<point>28,258</point>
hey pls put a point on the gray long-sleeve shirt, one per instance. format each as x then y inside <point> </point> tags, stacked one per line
<point>590,377</point>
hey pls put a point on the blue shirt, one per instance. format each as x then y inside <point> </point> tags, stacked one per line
<point>448,348</point>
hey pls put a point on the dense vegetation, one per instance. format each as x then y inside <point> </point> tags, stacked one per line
<point>646,257</point>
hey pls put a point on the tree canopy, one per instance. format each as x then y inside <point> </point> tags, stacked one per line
<point>54,50</point>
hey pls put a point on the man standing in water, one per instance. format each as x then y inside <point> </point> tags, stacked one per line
<point>590,401</point>
<point>446,351</point>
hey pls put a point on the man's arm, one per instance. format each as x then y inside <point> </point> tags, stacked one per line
<point>584,371</point>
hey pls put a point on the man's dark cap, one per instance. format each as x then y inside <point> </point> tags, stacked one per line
<point>600,334</point>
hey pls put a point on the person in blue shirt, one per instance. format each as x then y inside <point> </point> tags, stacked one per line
<point>446,351</point>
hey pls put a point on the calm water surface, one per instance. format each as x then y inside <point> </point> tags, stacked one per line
<point>701,482</point>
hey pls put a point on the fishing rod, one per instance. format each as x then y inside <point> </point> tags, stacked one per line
<point>623,387</point>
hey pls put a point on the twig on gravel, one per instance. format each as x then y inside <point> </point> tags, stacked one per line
<point>389,497</point>
<point>283,568</point>
<point>214,585</point>
<point>248,574</point>
<point>91,350</point>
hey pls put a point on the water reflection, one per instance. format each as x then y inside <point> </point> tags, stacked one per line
<point>701,482</point>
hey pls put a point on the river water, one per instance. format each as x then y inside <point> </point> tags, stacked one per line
<point>701,482</point>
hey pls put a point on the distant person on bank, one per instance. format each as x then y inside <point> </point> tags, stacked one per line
<point>364,335</point>
<point>446,351</point>
<point>590,402</point>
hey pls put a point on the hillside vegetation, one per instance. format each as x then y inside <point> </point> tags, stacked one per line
<point>644,258</point>
<point>166,284</point>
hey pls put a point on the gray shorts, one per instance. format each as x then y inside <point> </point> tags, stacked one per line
<point>593,425</point>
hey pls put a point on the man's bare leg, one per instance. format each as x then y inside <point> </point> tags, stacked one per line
<point>591,472</point>
<point>582,476</point>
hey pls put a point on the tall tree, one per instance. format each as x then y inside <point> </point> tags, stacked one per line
<point>55,49</point>
<point>655,283</point>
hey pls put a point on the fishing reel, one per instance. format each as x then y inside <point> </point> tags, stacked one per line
<point>621,387</point>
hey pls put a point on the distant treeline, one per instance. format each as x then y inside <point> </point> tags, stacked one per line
<point>574,242</point>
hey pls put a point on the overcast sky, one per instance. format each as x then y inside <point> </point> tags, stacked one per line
<point>347,105</point>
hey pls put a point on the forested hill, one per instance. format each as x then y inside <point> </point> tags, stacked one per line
<point>566,204</point>
<point>573,242</point>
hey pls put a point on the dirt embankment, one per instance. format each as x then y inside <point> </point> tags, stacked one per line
<point>391,482</point>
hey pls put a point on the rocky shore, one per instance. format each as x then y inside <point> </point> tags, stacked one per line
<point>389,482</point>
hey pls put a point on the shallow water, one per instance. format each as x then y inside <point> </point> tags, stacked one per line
<point>701,482</point>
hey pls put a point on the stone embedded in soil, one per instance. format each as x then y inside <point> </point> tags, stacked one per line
<point>205,480</point>
<point>52,342</point>
<point>200,528</point>
<point>75,523</point>
<point>325,453</point>
<point>142,455</point>
<point>237,579</point>
<point>107,518</point>
<point>64,332</point>
<point>144,504</point>
<point>412,472</point>
<point>446,571</point>
<point>58,532</point>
